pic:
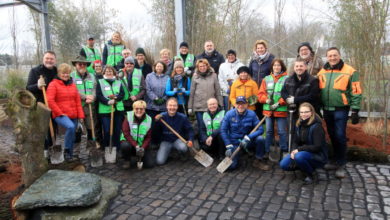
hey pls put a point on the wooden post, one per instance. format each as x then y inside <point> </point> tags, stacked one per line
<point>30,121</point>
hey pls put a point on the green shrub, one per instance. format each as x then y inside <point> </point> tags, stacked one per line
<point>14,80</point>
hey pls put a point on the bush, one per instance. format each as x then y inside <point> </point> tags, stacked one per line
<point>375,128</point>
<point>14,80</point>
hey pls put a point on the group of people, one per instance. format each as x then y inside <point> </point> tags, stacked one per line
<point>226,97</point>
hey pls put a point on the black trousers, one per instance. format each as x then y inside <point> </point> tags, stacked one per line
<point>217,147</point>
<point>129,153</point>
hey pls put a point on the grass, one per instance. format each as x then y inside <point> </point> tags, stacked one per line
<point>375,128</point>
<point>13,80</point>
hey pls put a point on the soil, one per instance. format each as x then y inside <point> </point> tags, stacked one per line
<point>11,178</point>
<point>356,137</point>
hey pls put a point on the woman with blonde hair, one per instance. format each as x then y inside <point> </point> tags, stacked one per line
<point>204,86</point>
<point>165,57</point>
<point>112,52</point>
<point>309,146</point>
<point>65,104</point>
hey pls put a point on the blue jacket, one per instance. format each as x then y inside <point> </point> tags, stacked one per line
<point>155,88</point>
<point>260,70</point>
<point>235,126</point>
<point>182,99</point>
<point>179,123</point>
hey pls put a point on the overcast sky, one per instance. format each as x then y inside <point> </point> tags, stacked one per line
<point>136,11</point>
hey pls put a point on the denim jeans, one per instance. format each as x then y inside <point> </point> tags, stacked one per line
<point>304,161</point>
<point>70,125</point>
<point>199,120</point>
<point>225,103</point>
<point>258,146</point>
<point>282,132</point>
<point>336,123</point>
<point>165,149</point>
<point>118,119</point>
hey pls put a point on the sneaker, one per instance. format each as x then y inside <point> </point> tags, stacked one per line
<point>262,165</point>
<point>331,166</point>
<point>340,172</point>
<point>126,165</point>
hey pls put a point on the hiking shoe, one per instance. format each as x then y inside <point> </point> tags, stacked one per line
<point>331,166</point>
<point>126,165</point>
<point>68,155</point>
<point>266,156</point>
<point>262,165</point>
<point>340,172</point>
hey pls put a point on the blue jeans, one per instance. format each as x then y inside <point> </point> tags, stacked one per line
<point>336,124</point>
<point>257,146</point>
<point>282,132</point>
<point>118,119</point>
<point>225,103</point>
<point>165,149</point>
<point>199,120</point>
<point>70,125</point>
<point>304,161</point>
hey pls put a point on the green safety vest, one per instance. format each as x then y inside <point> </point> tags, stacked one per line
<point>107,90</point>
<point>85,87</point>
<point>274,91</point>
<point>136,78</point>
<point>189,62</point>
<point>138,132</point>
<point>92,55</point>
<point>114,54</point>
<point>213,124</point>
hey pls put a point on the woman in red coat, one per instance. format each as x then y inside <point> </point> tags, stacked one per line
<point>65,104</point>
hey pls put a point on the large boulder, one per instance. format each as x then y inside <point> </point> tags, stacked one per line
<point>110,190</point>
<point>58,188</point>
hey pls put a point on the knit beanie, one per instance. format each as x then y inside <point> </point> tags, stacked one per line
<point>305,44</point>
<point>129,59</point>
<point>243,69</point>
<point>231,51</point>
<point>178,63</point>
<point>140,50</point>
<point>183,44</point>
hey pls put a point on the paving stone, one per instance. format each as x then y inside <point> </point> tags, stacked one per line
<point>361,212</point>
<point>212,216</point>
<point>377,216</point>
<point>333,215</point>
<point>202,212</point>
<point>226,215</point>
<point>300,215</point>
<point>159,211</point>
<point>284,214</point>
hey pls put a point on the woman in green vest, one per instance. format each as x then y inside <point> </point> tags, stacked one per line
<point>112,52</point>
<point>109,92</point>
<point>136,130</point>
<point>275,107</point>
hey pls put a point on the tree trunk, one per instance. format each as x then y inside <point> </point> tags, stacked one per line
<point>30,127</point>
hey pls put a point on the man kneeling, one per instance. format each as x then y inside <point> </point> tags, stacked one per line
<point>137,132</point>
<point>180,123</point>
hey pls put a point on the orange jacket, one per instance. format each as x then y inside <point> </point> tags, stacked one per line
<point>263,96</point>
<point>246,89</point>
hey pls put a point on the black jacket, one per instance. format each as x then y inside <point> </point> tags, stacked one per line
<point>33,77</point>
<point>311,138</point>
<point>305,90</point>
<point>146,68</point>
<point>215,59</point>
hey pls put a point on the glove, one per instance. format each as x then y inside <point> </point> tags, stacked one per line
<point>111,102</point>
<point>158,117</point>
<point>355,116</point>
<point>139,151</point>
<point>190,112</point>
<point>41,82</point>
<point>175,90</point>
<point>155,101</point>
<point>112,96</point>
<point>190,144</point>
<point>268,101</point>
<point>290,100</point>
<point>252,100</point>
<point>186,69</point>
<point>230,82</point>
<point>183,89</point>
<point>229,150</point>
<point>121,74</point>
<point>244,143</point>
<point>228,91</point>
<point>161,101</point>
<point>274,106</point>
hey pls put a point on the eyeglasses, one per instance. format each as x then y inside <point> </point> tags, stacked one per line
<point>82,64</point>
<point>129,63</point>
<point>305,112</point>
<point>139,109</point>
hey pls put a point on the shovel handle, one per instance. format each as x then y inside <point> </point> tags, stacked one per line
<point>91,119</point>
<point>112,120</point>
<point>47,105</point>
<point>173,131</point>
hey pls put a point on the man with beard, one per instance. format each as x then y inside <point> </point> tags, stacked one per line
<point>212,56</point>
<point>305,52</point>
<point>90,53</point>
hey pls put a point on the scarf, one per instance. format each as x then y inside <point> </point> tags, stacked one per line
<point>261,58</point>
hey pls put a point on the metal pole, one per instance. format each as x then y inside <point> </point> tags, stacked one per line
<point>46,31</point>
<point>179,21</point>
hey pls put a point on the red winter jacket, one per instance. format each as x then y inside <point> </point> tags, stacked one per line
<point>64,99</point>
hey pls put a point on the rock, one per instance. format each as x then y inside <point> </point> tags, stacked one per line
<point>110,190</point>
<point>58,188</point>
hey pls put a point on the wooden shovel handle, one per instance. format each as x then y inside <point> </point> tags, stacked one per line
<point>91,119</point>
<point>47,105</point>
<point>112,120</point>
<point>173,131</point>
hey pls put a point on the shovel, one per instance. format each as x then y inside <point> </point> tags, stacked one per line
<point>274,152</point>
<point>110,152</point>
<point>225,163</point>
<point>96,154</point>
<point>55,151</point>
<point>290,111</point>
<point>140,164</point>
<point>201,156</point>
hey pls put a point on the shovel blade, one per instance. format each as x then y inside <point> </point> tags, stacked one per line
<point>96,158</point>
<point>110,154</point>
<point>140,165</point>
<point>203,158</point>
<point>224,165</point>
<point>56,154</point>
<point>274,154</point>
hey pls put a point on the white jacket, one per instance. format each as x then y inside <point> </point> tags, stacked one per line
<point>228,71</point>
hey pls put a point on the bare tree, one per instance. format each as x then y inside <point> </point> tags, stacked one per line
<point>13,30</point>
